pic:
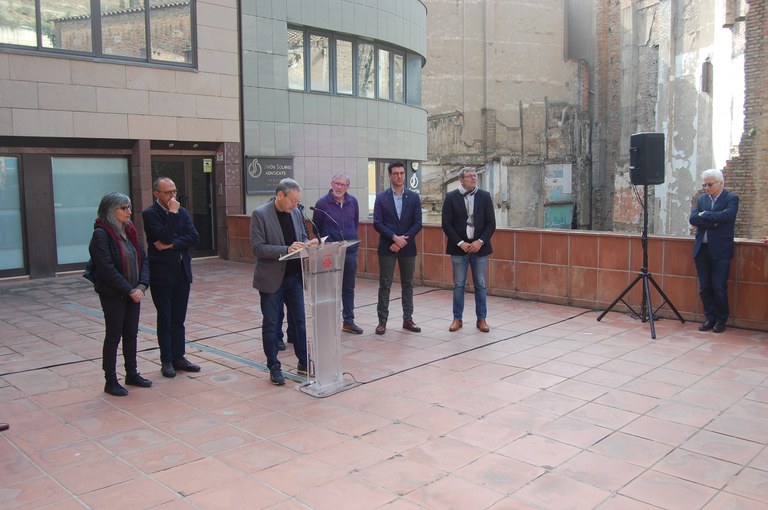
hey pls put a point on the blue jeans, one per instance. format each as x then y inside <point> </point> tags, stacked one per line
<point>348,288</point>
<point>713,284</point>
<point>478,265</point>
<point>290,293</point>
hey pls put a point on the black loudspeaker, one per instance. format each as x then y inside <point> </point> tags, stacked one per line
<point>646,158</point>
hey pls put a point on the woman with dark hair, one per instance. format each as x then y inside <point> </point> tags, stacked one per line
<point>121,273</point>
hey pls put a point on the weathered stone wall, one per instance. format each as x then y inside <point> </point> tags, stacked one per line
<point>502,97</point>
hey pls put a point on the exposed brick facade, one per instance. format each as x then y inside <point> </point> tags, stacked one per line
<point>747,173</point>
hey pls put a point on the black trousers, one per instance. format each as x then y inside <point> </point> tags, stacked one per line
<point>121,318</point>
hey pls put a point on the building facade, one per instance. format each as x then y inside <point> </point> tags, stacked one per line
<point>332,86</point>
<point>92,102</point>
<point>506,97</point>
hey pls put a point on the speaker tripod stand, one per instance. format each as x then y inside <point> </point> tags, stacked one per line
<point>647,312</point>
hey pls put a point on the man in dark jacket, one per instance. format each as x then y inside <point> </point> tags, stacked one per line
<point>170,236</point>
<point>714,218</point>
<point>469,223</point>
<point>397,218</point>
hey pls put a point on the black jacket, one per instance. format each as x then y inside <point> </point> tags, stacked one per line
<point>110,280</point>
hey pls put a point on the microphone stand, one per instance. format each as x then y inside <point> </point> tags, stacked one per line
<point>341,232</point>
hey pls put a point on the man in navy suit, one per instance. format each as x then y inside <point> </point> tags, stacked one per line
<point>714,218</point>
<point>397,218</point>
<point>170,236</point>
<point>277,228</point>
<point>468,223</point>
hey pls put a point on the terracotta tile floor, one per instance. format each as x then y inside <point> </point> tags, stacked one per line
<point>550,410</point>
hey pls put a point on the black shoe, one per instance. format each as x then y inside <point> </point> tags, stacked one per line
<point>719,327</point>
<point>136,379</point>
<point>280,345</point>
<point>301,368</point>
<point>381,328</point>
<point>411,326</point>
<point>167,369</point>
<point>351,327</point>
<point>707,325</point>
<point>276,376</point>
<point>184,365</point>
<point>114,388</point>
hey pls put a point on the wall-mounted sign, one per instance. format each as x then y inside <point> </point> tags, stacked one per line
<point>207,165</point>
<point>263,174</point>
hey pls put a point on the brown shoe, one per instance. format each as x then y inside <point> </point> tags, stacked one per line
<point>411,326</point>
<point>381,328</point>
<point>483,326</point>
<point>455,325</point>
<point>4,426</point>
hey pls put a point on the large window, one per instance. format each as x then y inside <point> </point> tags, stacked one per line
<point>74,209</point>
<point>338,64</point>
<point>103,28</point>
<point>11,240</point>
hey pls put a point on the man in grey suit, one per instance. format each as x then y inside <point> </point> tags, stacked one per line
<point>277,228</point>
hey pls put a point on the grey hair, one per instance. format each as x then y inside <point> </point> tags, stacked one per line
<point>713,172</point>
<point>286,185</point>
<point>341,176</point>
<point>156,184</point>
<point>465,170</point>
<point>109,203</point>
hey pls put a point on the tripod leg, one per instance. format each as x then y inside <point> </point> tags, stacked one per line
<point>629,287</point>
<point>664,296</point>
<point>647,292</point>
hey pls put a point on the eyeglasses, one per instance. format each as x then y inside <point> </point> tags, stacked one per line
<point>169,192</point>
<point>397,173</point>
<point>470,176</point>
<point>125,208</point>
<point>709,184</point>
<point>340,184</point>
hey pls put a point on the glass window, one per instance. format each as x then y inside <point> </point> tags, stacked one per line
<point>344,67</point>
<point>74,210</point>
<point>23,31</point>
<point>383,75</point>
<point>67,26</point>
<point>398,77</point>
<point>11,241</point>
<point>122,33</point>
<point>319,63</point>
<point>366,75</point>
<point>113,28</point>
<point>295,59</point>
<point>169,28</point>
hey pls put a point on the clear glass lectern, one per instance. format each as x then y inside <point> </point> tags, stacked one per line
<point>323,270</point>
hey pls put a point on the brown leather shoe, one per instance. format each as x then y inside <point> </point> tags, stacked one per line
<point>381,328</point>
<point>455,325</point>
<point>483,326</point>
<point>411,326</point>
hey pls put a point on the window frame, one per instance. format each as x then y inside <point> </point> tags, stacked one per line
<point>356,42</point>
<point>97,42</point>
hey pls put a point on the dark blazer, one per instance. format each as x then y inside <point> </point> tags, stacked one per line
<point>718,223</point>
<point>455,221</point>
<point>268,245</point>
<point>109,279</point>
<point>386,222</point>
<point>170,228</point>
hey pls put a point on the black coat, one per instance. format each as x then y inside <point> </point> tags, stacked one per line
<point>110,280</point>
<point>455,221</point>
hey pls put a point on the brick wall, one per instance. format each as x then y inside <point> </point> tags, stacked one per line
<point>747,174</point>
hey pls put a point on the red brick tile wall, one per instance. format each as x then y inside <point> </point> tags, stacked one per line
<point>576,268</point>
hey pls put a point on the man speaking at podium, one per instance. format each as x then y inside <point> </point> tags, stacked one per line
<point>277,228</point>
<point>336,215</point>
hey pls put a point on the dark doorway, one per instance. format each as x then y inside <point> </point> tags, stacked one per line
<point>193,177</point>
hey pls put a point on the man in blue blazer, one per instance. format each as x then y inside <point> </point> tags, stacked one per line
<point>277,228</point>
<point>170,236</point>
<point>468,223</point>
<point>397,218</point>
<point>714,218</point>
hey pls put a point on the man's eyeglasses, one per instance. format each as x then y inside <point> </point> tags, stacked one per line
<point>470,176</point>
<point>709,184</point>
<point>341,184</point>
<point>169,192</point>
